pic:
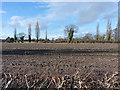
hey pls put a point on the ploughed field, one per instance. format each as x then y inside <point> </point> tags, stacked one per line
<point>54,58</point>
<point>53,65</point>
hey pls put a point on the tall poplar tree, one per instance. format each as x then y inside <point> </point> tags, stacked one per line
<point>97,32</point>
<point>109,31</point>
<point>15,36</point>
<point>29,33</point>
<point>37,28</point>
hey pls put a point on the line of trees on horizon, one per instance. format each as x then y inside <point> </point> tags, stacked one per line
<point>70,30</point>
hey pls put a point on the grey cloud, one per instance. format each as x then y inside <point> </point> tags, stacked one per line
<point>95,11</point>
<point>84,11</point>
<point>111,14</point>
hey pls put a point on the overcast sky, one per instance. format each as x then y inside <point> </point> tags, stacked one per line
<point>54,16</point>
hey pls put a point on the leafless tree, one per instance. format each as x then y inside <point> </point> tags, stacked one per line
<point>15,36</point>
<point>21,36</point>
<point>118,29</point>
<point>37,31</point>
<point>29,33</point>
<point>109,31</point>
<point>46,35</point>
<point>97,32</point>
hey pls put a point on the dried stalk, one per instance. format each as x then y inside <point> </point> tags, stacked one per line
<point>49,83</point>
<point>9,82</point>
<point>43,82</point>
<point>6,86</point>
<point>54,81</point>
<point>61,84</point>
<point>88,75</point>
<point>26,81</point>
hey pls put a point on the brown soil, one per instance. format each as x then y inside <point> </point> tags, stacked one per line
<point>53,59</point>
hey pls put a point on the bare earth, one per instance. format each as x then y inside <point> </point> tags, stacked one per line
<point>61,59</point>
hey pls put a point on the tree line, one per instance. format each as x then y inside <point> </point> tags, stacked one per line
<point>70,30</point>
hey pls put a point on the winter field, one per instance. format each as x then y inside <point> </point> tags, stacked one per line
<point>57,59</point>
